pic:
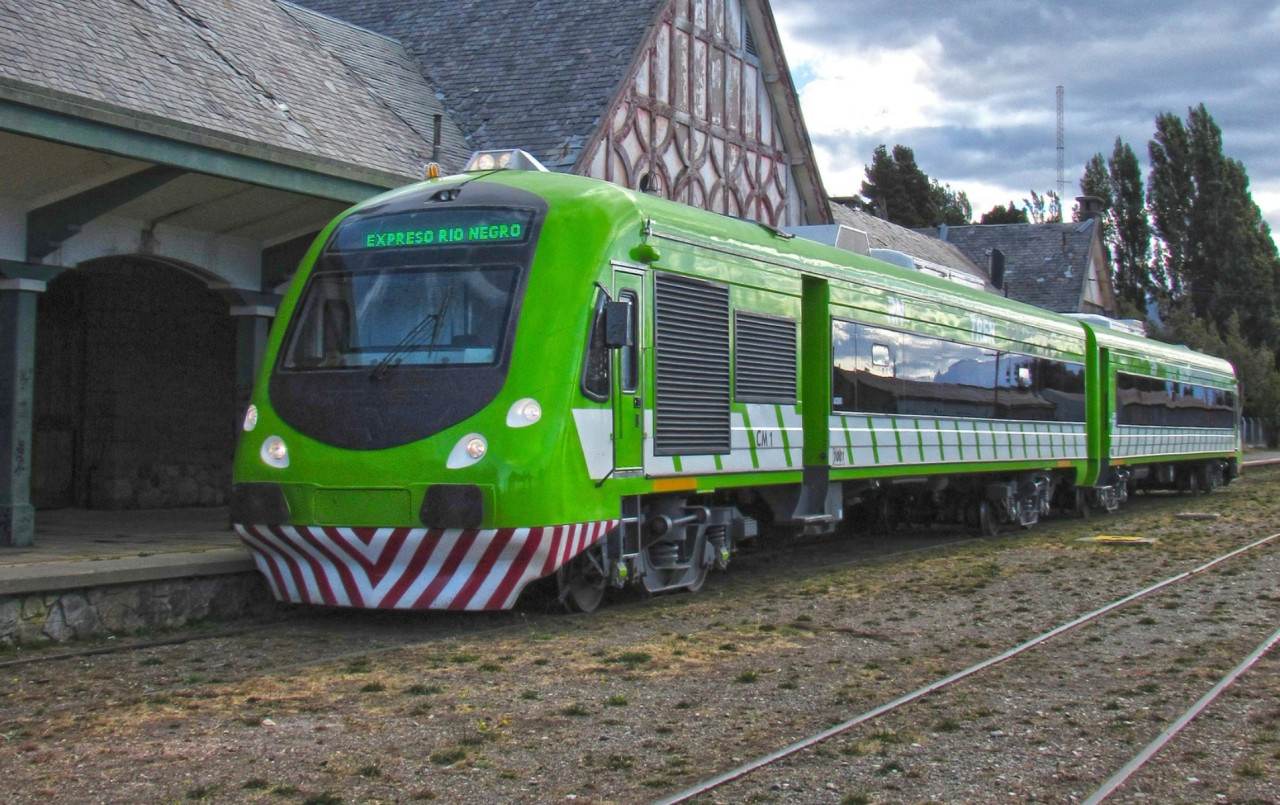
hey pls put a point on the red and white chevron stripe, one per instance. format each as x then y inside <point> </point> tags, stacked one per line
<point>412,568</point>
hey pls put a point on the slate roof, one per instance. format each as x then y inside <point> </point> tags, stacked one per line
<point>244,72</point>
<point>885,235</point>
<point>532,74</point>
<point>391,75</point>
<point>1046,265</point>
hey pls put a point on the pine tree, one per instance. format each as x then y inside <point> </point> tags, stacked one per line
<point>1216,250</point>
<point>897,190</point>
<point>1131,245</point>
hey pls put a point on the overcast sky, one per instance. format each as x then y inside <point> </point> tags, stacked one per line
<point>970,86</point>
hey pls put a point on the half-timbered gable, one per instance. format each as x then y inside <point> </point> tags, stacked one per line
<point>708,117</point>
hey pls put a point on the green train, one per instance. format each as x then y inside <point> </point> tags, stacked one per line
<point>508,375</point>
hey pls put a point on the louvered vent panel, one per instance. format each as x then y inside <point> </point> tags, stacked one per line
<point>691,367</point>
<point>765,359</point>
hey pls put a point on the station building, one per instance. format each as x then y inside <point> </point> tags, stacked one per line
<point>165,164</point>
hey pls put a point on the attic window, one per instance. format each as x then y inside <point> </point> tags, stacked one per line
<point>649,185</point>
<point>749,39</point>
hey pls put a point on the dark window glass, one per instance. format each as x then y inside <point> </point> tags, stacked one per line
<point>595,366</point>
<point>876,370</point>
<point>1142,400</point>
<point>630,356</point>
<point>409,316</point>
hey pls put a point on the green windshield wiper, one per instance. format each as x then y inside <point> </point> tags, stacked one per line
<point>432,320</point>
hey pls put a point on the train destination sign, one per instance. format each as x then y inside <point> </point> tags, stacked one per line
<point>424,229</point>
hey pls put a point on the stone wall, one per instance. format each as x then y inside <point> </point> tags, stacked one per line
<point>128,608</point>
<point>135,389</point>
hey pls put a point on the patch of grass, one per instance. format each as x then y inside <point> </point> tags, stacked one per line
<point>631,659</point>
<point>574,709</point>
<point>529,695</point>
<point>200,792</point>
<point>323,798</point>
<point>373,687</point>
<point>490,667</point>
<point>1252,769</point>
<point>747,677</point>
<point>946,724</point>
<point>463,657</point>
<point>285,790</point>
<point>420,689</point>
<point>370,772</point>
<point>858,798</point>
<point>616,701</point>
<point>255,784</point>
<point>359,665</point>
<point>449,757</point>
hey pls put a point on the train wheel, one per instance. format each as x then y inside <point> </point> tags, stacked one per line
<point>988,521</point>
<point>697,583</point>
<point>1190,483</point>
<point>581,583</point>
<point>1083,509</point>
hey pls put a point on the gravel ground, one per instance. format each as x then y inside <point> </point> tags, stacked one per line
<point>638,701</point>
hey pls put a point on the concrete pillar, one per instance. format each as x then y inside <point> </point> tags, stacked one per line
<point>253,324</point>
<point>17,389</point>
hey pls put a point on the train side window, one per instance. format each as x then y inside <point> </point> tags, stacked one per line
<point>629,356</point>
<point>595,364</point>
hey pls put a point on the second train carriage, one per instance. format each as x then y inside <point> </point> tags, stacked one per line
<point>483,380</point>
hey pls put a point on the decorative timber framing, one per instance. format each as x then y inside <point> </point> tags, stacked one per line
<point>709,117</point>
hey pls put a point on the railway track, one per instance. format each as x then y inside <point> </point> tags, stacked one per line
<point>1114,783</point>
<point>615,706</point>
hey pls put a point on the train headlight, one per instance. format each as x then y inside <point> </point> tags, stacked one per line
<point>469,449</point>
<point>250,418</point>
<point>524,413</point>
<point>275,452</point>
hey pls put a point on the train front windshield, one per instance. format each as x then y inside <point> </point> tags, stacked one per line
<point>406,323</point>
<point>418,288</point>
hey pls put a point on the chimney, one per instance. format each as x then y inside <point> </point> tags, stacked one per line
<point>1090,207</point>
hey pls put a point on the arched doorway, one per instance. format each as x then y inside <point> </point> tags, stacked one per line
<point>135,389</point>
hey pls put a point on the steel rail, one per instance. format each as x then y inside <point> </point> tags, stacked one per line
<point>805,743</point>
<point>1139,760</point>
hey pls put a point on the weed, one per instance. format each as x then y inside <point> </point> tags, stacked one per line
<point>529,695</point>
<point>616,701</point>
<point>420,689</point>
<point>574,709</point>
<point>370,772</point>
<point>631,659</point>
<point>747,677</point>
<point>449,757</point>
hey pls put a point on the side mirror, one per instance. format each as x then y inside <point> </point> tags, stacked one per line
<point>617,325</point>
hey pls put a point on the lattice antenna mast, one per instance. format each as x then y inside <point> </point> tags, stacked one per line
<point>1062,152</point>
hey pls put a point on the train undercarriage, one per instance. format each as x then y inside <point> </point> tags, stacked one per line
<point>669,543</point>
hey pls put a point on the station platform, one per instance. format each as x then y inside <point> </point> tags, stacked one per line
<point>75,549</point>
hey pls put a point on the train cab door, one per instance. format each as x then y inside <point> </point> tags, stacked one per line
<point>628,373</point>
